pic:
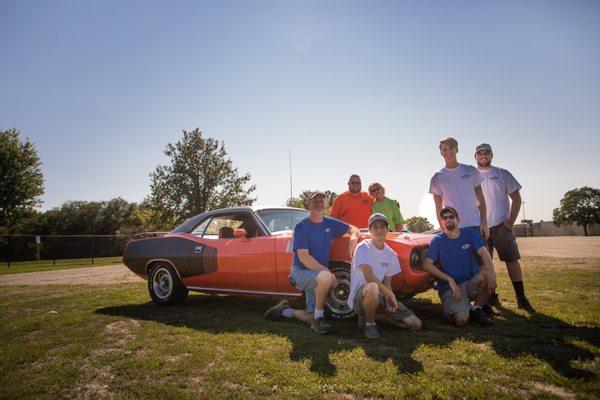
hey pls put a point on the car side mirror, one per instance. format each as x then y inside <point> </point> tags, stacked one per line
<point>240,234</point>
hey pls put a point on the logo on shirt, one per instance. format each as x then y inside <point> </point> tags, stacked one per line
<point>494,178</point>
<point>465,176</point>
<point>466,246</point>
<point>385,264</point>
<point>327,230</point>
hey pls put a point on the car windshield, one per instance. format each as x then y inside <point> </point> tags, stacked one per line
<point>282,219</point>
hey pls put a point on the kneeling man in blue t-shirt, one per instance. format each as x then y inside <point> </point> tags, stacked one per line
<point>461,279</point>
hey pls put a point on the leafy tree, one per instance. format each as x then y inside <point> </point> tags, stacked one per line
<point>146,219</point>
<point>418,224</point>
<point>581,206</point>
<point>200,177</point>
<point>302,200</point>
<point>21,179</point>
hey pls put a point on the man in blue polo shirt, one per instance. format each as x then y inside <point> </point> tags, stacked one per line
<point>460,278</point>
<point>310,271</point>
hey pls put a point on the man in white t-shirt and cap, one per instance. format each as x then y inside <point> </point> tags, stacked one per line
<point>498,186</point>
<point>459,186</point>
<point>371,295</point>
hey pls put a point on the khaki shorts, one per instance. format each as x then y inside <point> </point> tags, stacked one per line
<point>503,240</point>
<point>400,314</point>
<point>468,290</point>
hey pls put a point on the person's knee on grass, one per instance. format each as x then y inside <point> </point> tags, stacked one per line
<point>460,319</point>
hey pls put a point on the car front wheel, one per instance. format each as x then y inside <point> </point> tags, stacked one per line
<point>164,285</point>
<point>337,300</point>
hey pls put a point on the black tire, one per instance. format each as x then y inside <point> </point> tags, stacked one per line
<point>164,285</point>
<point>336,302</point>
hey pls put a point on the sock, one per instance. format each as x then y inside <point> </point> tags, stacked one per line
<point>370,324</point>
<point>319,313</point>
<point>519,289</point>
<point>288,312</point>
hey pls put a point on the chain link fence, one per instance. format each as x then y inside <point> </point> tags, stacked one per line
<point>20,248</point>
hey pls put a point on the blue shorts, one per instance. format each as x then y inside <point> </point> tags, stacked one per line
<point>305,280</point>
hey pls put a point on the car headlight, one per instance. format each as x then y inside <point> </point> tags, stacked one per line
<point>417,256</point>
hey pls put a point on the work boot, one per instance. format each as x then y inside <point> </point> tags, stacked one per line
<point>494,300</point>
<point>476,315</point>
<point>524,304</point>
<point>274,313</point>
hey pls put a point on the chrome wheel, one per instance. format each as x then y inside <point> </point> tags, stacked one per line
<point>162,283</point>
<point>337,300</point>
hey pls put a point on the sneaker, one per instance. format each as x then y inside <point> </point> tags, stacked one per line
<point>274,313</point>
<point>494,300</point>
<point>524,304</point>
<point>477,316</point>
<point>320,325</point>
<point>372,332</point>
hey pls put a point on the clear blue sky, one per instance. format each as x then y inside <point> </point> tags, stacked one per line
<point>101,87</point>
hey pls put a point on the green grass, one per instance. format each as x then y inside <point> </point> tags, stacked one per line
<point>44,265</point>
<point>110,341</point>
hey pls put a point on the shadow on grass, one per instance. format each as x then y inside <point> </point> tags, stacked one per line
<point>513,335</point>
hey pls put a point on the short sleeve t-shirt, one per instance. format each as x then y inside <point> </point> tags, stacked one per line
<point>316,238</point>
<point>353,209</point>
<point>497,184</point>
<point>456,186</point>
<point>456,257</point>
<point>383,263</point>
<point>390,209</point>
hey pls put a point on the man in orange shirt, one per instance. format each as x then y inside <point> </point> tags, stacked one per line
<point>353,206</point>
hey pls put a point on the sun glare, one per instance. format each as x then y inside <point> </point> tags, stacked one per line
<point>427,209</point>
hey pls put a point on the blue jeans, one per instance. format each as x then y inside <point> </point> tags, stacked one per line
<point>305,280</point>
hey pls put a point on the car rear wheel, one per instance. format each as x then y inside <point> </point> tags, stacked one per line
<point>337,300</point>
<point>164,285</point>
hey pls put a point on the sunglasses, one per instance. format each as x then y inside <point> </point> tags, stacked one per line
<point>376,190</point>
<point>448,216</point>
<point>354,183</point>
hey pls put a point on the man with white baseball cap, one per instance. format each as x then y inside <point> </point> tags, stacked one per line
<point>310,269</point>
<point>498,186</point>
<point>371,295</point>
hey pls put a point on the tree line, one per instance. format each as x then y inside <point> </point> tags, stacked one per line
<point>199,176</point>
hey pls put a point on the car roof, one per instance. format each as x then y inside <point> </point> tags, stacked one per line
<point>192,221</point>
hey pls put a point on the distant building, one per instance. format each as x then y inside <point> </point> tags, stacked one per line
<point>548,228</point>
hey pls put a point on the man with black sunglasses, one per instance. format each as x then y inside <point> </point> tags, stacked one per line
<point>460,279</point>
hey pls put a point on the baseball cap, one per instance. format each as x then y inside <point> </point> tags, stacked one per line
<point>377,217</point>
<point>449,210</point>
<point>483,146</point>
<point>315,194</point>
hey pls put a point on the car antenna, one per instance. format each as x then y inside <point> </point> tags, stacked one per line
<point>291,192</point>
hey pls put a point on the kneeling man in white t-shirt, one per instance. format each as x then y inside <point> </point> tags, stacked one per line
<point>371,296</point>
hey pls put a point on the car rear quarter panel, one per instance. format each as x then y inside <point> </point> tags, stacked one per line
<point>138,253</point>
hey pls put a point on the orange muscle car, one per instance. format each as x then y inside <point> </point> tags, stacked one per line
<point>248,250</point>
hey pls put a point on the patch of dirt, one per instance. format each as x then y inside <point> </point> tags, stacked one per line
<point>555,390</point>
<point>121,331</point>
<point>94,383</point>
<point>483,346</point>
<point>560,246</point>
<point>108,274</point>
